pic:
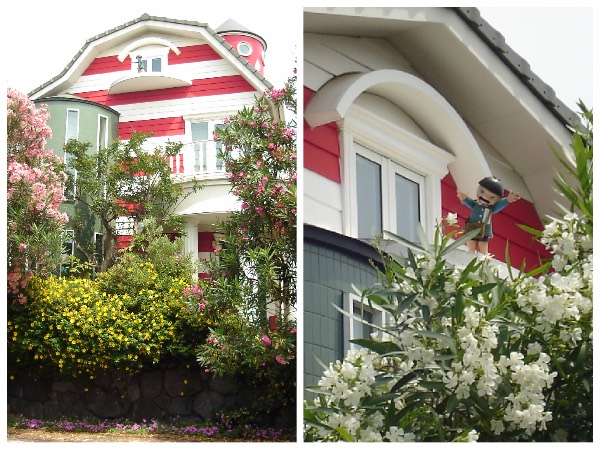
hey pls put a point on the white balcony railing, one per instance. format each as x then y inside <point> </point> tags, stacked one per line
<point>197,159</point>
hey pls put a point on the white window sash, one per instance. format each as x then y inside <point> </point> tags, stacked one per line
<point>380,319</point>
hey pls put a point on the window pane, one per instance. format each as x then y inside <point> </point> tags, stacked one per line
<point>102,132</point>
<point>156,64</point>
<point>199,131</point>
<point>72,125</point>
<point>368,185</point>
<point>219,147</point>
<point>362,330</point>
<point>407,208</point>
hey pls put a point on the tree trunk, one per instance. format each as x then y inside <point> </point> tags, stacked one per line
<point>110,245</point>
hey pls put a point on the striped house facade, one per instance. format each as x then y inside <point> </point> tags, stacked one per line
<point>403,107</point>
<point>178,80</point>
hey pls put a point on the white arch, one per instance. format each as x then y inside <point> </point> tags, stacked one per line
<point>430,110</point>
<point>146,41</point>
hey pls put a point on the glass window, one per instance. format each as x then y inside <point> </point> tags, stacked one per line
<point>219,147</point>
<point>200,140</point>
<point>244,48</point>
<point>388,196</point>
<point>362,321</point>
<point>205,149</point>
<point>102,132</point>
<point>72,131</point>
<point>146,64</point>
<point>407,207</point>
<point>368,197</point>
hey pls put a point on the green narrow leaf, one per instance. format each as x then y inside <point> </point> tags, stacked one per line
<point>539,270</point>
<point>379,347</point>
<point>581,356</point>
<point>482,288</point>
<point>404,242</point>
<point>346,436</point>
<point>371,401</point>
<point>460,241</point>
<point>451,403</point>
<point>438,336</point>
<point>406,379</point>
<point>530,230</point>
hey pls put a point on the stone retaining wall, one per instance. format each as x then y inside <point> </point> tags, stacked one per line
<point>186,391</point>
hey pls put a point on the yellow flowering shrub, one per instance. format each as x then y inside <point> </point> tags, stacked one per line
<point>73,327</point>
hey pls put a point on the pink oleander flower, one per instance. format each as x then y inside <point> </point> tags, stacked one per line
<point>265,341</point>
<point>281,360</point>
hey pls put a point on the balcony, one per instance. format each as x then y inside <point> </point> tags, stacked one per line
<point>198,159</point>
<point>137,82</point>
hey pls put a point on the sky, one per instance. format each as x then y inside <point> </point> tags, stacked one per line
<point>555,41</point>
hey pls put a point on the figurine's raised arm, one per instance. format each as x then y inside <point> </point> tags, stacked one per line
<point>512,197</point>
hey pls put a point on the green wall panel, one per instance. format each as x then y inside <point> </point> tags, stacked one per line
<point>330,270</point>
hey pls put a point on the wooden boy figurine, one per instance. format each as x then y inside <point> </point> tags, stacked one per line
<point>489,201</point>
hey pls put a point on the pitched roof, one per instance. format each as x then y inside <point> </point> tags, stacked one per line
<point>166,20</point>
<point>495,40</point>
<point>232,26</point>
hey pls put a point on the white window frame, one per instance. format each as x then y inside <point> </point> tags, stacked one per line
<point>67,138</point>
<point>248,53</point>
<point>98,136</point>
<point>406,153</point>
<point>67,125</point>
<point>209,145</point>
<point>389,170</point>
<point>148,53</point>
<point>380,318</point>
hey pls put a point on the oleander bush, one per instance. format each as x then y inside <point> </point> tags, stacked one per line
<point>467,354</point>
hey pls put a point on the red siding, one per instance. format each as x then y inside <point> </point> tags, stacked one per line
<point>107,64</point>
<point>168,126</point>
<point>322,147</point>
<point>522,245</point>
<point>193,53</point>
<point>199,88</point>
<point>205,242</point>
<point>123,241</point>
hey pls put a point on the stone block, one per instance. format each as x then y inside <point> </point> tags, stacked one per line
<point>146,409</point>
<point>180,406</point>
<point>37,391</point>
<point>207,402</point>
<point>151,384</point>
<point>182,380</point>
<point>107,404</point>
